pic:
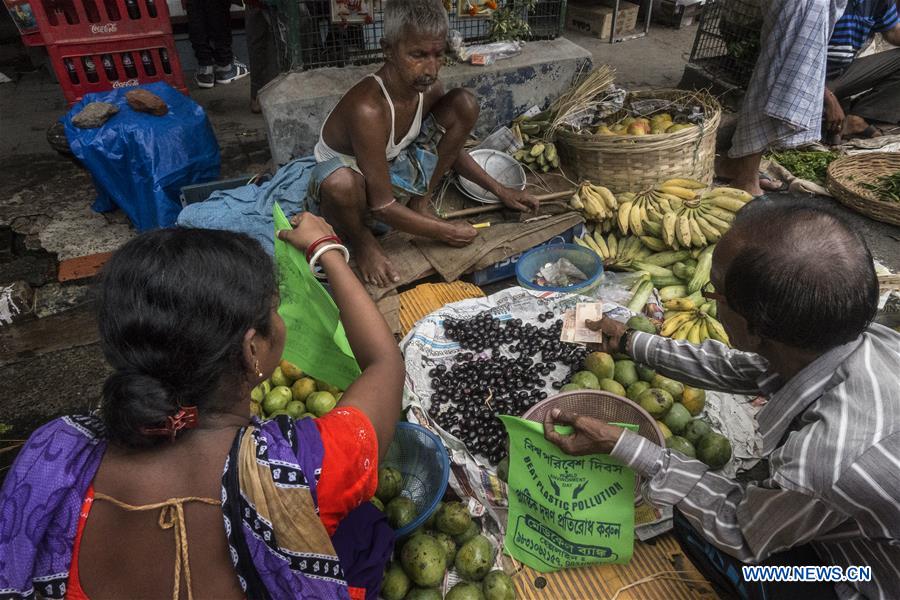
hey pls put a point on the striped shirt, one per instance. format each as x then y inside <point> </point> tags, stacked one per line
<point>861,20</point>
<point>832,438</point>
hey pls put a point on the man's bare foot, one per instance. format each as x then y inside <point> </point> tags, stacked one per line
<point>421,204</point>
<point>730,170</point>
<point>374,266</point>
<point>753,186</point>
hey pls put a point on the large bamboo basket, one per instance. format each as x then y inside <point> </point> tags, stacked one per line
<point>632,163</point>
<point>847,174</point>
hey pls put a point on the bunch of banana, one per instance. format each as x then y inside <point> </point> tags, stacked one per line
<point>540,156</point>
<point>702,221</point>
<point>691,318</point>
<point>641,213</point>
<point>618,253</point>
<point>595,201</point>
<point>538,153</point>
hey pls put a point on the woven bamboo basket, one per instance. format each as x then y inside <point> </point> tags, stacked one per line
<point>631,163</point>
<point>846,176</point>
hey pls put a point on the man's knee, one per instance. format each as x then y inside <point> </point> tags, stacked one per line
<point>464,104</point>
<point>345,187</point>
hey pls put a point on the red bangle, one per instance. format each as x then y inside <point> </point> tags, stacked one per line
<point>315,245</point>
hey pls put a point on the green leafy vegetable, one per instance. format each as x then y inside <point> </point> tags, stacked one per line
<point>809,165</point>
<point>887,187</point>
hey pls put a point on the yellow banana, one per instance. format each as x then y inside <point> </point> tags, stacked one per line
<point>711,233</point>
<point>735,193</point>
<point>720,225</point>
<point>672,324</point>
<point>679,304</point>
<point>668,228</point>
<point>634,220</point>
<point>690,184</point>
<point>682,332</point>
<point>683,230</point>
<point>704,331</point>
<point>726,202</point>
<point>680,192</point>
<point>720,213</point>
<point>622,216</point>
<point>693,335</point>
<point>664,205</point>
<point>606,195</point>
<point>537,150</point>
<point>575,202</point>
<point>593,245</point>
<point>613,244</point>
<point>697,237</point>
<point>601,244</point>
<point>716,331</point>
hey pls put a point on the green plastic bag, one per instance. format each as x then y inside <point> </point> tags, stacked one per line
<point>565,511</point>
<point>316,341</point>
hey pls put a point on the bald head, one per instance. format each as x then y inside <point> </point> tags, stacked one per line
<point>798,274</point>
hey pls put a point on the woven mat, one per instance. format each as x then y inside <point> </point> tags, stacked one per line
<point>424,299</point>
<point>601,582</point>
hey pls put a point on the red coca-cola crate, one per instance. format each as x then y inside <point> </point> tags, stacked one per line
<point>84,21</point>
<point>103,66</point>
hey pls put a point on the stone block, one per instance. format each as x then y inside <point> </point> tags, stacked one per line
<point>296,104</point>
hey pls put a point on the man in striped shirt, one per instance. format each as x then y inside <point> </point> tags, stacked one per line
<point>875,77</point>
<point>796,293</point>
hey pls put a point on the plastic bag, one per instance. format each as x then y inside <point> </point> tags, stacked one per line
<point>316,341</point>
<point>488,54</point>
<point>565,511</point>
<point>140,162</point>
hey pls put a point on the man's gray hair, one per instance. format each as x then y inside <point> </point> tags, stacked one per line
<point>401,17</point>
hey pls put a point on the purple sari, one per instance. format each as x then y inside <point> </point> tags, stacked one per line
<point>275,554</point>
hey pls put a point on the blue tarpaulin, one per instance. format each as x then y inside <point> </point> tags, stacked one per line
<point>140,162</point>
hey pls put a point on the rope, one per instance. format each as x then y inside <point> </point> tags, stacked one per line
<point>171,516</point>
<point>660,576</point>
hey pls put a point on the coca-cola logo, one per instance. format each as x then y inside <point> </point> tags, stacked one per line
<point>126,83</point>
<point>107,28</point>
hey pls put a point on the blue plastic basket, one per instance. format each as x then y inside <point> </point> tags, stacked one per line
<point>587,261</point>
<point>422,460</point>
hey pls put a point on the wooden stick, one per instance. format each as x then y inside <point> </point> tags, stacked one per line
<point>479,210</point>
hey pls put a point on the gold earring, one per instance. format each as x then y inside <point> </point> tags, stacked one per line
<point>256,367</point>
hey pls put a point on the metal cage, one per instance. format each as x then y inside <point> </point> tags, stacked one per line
<point>308,37</point>
<point>727,42</point>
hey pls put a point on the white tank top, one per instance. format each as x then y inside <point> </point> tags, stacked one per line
<point>323,152</point>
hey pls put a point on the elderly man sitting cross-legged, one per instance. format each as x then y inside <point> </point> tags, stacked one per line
<point>391,139</point>
<point>797,293</point>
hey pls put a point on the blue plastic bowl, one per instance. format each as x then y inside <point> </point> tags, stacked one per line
<point>534,260</point>
<point>420,457</point>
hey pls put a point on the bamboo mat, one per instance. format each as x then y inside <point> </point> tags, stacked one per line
<point>601,582</point>
<point>426,298</point>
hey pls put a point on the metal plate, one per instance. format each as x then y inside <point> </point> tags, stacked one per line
<point>499,165</point>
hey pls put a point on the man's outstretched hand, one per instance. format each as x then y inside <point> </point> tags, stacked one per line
<point>591,436</point>
<point>612,331</point>
<point>519,200</point>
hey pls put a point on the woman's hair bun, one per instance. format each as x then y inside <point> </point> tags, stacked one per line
<point>133,401</point>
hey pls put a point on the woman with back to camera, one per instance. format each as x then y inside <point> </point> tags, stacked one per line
<point>172,491</point>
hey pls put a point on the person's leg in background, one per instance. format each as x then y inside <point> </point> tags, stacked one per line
<point>878,75</point>
<point>724,571</point>
<point>199,34</point>
<point>261,50</point>
<point>219,23</point>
